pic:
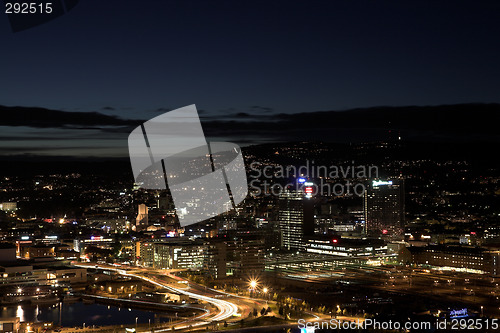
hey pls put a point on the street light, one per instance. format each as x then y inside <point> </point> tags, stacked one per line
<point>136,323</point>
<point>253,284</point>
<point>265,290</point>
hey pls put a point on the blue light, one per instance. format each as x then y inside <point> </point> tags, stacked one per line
<point>462,313</point>
<point>301,180</point>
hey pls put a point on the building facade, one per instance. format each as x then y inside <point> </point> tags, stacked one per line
<point>384,209</point>
<point>295,219</point>
<point>454,257</point>
<point>344,247</point>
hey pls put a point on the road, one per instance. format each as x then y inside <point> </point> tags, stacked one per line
<point>226,309</point>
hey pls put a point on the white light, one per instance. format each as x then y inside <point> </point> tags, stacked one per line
<point>378,183</point>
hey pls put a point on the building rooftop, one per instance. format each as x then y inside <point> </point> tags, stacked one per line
<point>447,248</point>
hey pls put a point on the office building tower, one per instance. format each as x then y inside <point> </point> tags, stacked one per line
<point>245,255</point>
<point>295,219</point>
<point>384,209</point>
<point>145,253</point>
<point>215,263</point>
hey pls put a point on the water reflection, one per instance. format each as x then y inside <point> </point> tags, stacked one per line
<point>75,314</point>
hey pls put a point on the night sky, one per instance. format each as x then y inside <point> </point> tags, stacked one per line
<point>137,59</point>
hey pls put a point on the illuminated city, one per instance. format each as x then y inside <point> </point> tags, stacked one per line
<point>189,166</point>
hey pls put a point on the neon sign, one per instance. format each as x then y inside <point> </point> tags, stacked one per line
<point>381,182</point>
<point>459,313</point>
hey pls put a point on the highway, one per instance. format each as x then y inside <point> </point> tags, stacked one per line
<point>226,309</point>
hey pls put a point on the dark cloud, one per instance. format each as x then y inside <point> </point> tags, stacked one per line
<point>120,129</point>
<point>45,118</point>
<point>460,122</point>
<point>257,108</point>
<point>237,116</point>
<point>454,123</point>
<point>228,110</point>
<point>242,115</point>
<point>163,109</point>
<point>169,109</point>
<point>255,111</point>
<point>108,108</point>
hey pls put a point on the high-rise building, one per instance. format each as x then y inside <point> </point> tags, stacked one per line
<point>384,208</point>
<point>165,203</point>
<point>295,218</point>
<point>145,253</point>
<point>245,255</point>
<point>215,263</point>
<point>238,254</point>
<point>142,216</point>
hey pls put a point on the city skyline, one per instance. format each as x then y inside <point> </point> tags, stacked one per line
<point>259,166</point>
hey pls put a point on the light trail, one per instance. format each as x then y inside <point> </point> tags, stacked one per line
<point>226,309</point>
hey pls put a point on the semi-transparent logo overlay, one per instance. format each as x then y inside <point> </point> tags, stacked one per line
<point>205,179</point>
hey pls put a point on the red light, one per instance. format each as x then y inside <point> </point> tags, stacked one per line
<point>385,231</point>
<point>472,232</point>
<point>309,190</point>
<point>334,241</point>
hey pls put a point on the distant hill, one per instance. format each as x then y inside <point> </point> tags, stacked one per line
<point>447,131</point>
<point>462,122</point>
